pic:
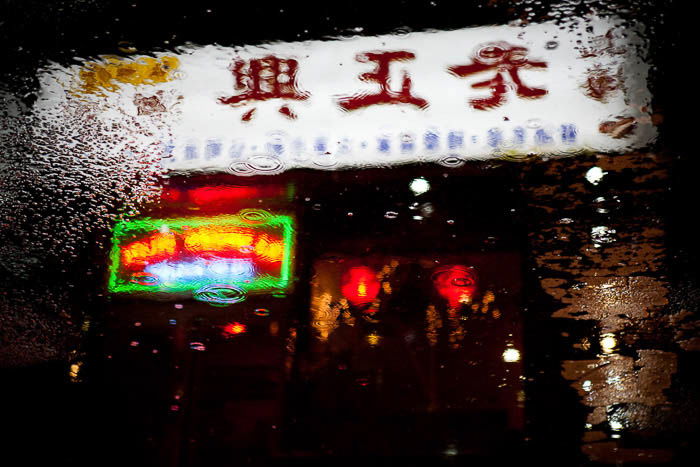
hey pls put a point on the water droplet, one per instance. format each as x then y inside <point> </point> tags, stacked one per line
<point>452,161</point>
<point>198,346</point>
<point>220,294</point>
<point>534,123</point>
<point>145,278</point>
<point>362,382</point>
<point>255,216</point>
<point>267,165</point>
<point>261,312</point>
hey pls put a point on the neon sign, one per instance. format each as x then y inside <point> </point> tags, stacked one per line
<point>249,252</point>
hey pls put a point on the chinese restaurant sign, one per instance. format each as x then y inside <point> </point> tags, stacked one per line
<point>440,96</point>
<point>218,259</point>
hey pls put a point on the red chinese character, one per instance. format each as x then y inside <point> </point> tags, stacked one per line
<point>262,79</point>
<point>380,75</point>
<point>503,58</point>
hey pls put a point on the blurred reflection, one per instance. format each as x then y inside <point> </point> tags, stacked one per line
<point>232,329</point>
<point>219,259</point>
<point>343,294</point>
<point>608,343</point>
<point>621,368</point>
<point>413,338</point>
<point>112,72</point>
<point>456,284</point>
<point>360,285</point>
<point>511,355</point>
<point>223,196</point>
<point>419,186</point>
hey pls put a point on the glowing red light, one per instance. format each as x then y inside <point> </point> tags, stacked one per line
<point>208,195</point>
<point>171,194</point>
<point>233,329</point>
<point>218,196</point>
<point>457,284</point>
<point>360,285</point>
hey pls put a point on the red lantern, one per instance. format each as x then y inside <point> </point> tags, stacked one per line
<point>457,283</point>
<point>360,285</point>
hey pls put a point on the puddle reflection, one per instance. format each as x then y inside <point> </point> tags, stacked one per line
<point>337,336</point>
<point>408,335</point>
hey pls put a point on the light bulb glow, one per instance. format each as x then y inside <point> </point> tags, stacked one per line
<point>608,343</point>
<point>511,355</point>
<point>419,186</point>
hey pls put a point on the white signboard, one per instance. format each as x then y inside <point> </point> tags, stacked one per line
<point>442,96</point>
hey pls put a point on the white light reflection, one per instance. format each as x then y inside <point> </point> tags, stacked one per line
<point>223,269</point>
<point>595,175</point>
<point>419,186</point>
<point>511,355</point>
<point>608,343</point>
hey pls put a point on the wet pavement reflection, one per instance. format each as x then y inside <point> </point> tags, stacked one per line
<point>509,310</point>
<point>601,255</point>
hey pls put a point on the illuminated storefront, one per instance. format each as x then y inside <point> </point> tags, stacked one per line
<point>331,260</point>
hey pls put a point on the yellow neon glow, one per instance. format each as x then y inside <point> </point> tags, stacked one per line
<point>219,238</point>
<point>142,250</point>
<point>269,249</point>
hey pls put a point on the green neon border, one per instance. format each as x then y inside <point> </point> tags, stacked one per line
<point>131,228</point>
